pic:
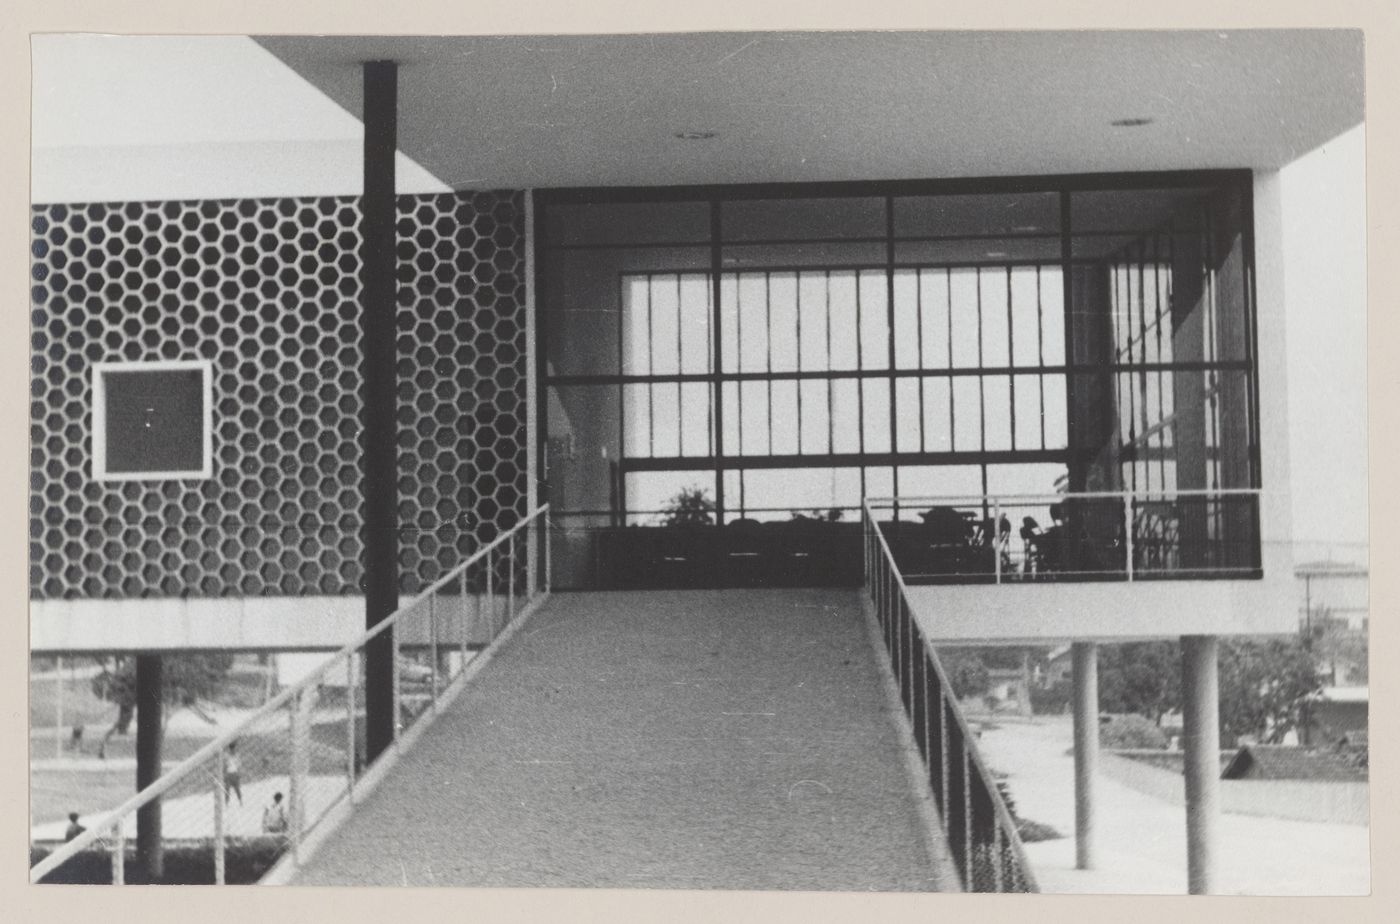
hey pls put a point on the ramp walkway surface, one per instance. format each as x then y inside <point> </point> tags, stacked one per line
<point>733,739</point>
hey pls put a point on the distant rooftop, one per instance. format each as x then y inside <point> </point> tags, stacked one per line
<point>1330,568</point>
<point>1343,695</point>
<point>1289,762</point>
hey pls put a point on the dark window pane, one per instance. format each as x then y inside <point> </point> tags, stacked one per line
<point>802,219</point>
<point>155,421</point>
<point>627,223</point>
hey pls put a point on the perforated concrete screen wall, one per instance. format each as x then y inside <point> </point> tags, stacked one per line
<point>266,293</point>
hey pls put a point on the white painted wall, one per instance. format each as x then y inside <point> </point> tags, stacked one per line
<point>121,118</point>
<point>1324,254</point>
<point>163,624</point>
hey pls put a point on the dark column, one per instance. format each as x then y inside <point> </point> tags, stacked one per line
<point>150,675</point>
<point>380,384</point>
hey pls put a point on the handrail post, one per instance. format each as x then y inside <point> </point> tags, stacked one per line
<point>350,727</point>
<point>220,832</point>
<point>996,536</point>
<point>300,758</point>
<point>491,588</point>
<point>532,555</point>
<point>118,854</point>
<point>394,675</point>
<point>1128,533</point>
<point>58,707</point>
<point>468,624</point>
<point>433,652</point>
<point>548,559</point>
<point>865,544</point>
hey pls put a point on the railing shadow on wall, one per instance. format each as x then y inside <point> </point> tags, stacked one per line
<point>281,781</point>
<point>980,831</point>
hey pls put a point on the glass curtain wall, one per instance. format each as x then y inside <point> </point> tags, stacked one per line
<point>742,356</point>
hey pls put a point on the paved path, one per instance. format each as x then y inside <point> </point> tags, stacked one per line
<point>725,739</point>
<point>1142,839</point>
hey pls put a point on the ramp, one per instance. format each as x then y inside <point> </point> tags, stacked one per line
<point>733,739</point>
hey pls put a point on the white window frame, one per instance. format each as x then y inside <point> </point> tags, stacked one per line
<point>99,418</point>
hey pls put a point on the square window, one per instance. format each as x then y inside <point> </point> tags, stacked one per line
<point>152,421</point>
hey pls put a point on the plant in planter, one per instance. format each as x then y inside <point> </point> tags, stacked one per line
<point>689,507</point>
<point>833,515</point>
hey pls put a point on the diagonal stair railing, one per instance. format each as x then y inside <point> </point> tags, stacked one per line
<point>980,831</point>
<point>300,757</point>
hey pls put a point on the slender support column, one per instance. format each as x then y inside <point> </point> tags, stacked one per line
<point>351,770</point>
<point>220,822</point>
<point>300,728</point>
<point>58,707</point>
<point>1086,749</point>
<point>377,286</point>
<point>150,678</point>
<point>1200,694</point>
<point>118,854</point>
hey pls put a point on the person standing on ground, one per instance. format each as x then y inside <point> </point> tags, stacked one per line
<point>233,773</point>
<point>74,829</point>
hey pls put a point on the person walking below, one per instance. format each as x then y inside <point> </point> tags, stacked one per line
<point>233,773</point>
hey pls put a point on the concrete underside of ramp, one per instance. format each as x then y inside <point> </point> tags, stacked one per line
<point>697,739</point>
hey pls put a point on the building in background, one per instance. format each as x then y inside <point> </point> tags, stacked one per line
<point>704,326</point>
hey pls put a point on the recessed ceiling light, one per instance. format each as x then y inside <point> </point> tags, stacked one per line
<point>695,135</point>
<point>1025,229</point>
<point>1135,122</point>
<point>996,253</point>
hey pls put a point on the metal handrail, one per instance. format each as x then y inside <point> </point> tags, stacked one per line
<point>112,821</point>
<point>1134,505</point>
<point>879,558</point>
<point>1055,496</point>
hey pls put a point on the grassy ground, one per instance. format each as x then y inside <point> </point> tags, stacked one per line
<point>79,704</point>
<point>89,786</point>
<point>55,793</point>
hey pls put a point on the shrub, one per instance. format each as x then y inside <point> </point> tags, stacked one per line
<point>1051,700</point>
<point>1029,831</point>
<point>1131,731</point>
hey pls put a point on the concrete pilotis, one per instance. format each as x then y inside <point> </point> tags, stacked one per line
<point>1086,748</point>
<point>1200,690</point>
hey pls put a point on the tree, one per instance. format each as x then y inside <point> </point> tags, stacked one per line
<point>187,680</point>
<point>1263,684</point>
<point>966,671</point>
<point>689,507</point>
<point>1336,645</point>
<point>1140,677</point>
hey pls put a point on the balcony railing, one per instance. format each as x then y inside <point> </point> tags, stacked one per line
<point>1090,536</point>
<point>981,833</point>
<point>307,743</point>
